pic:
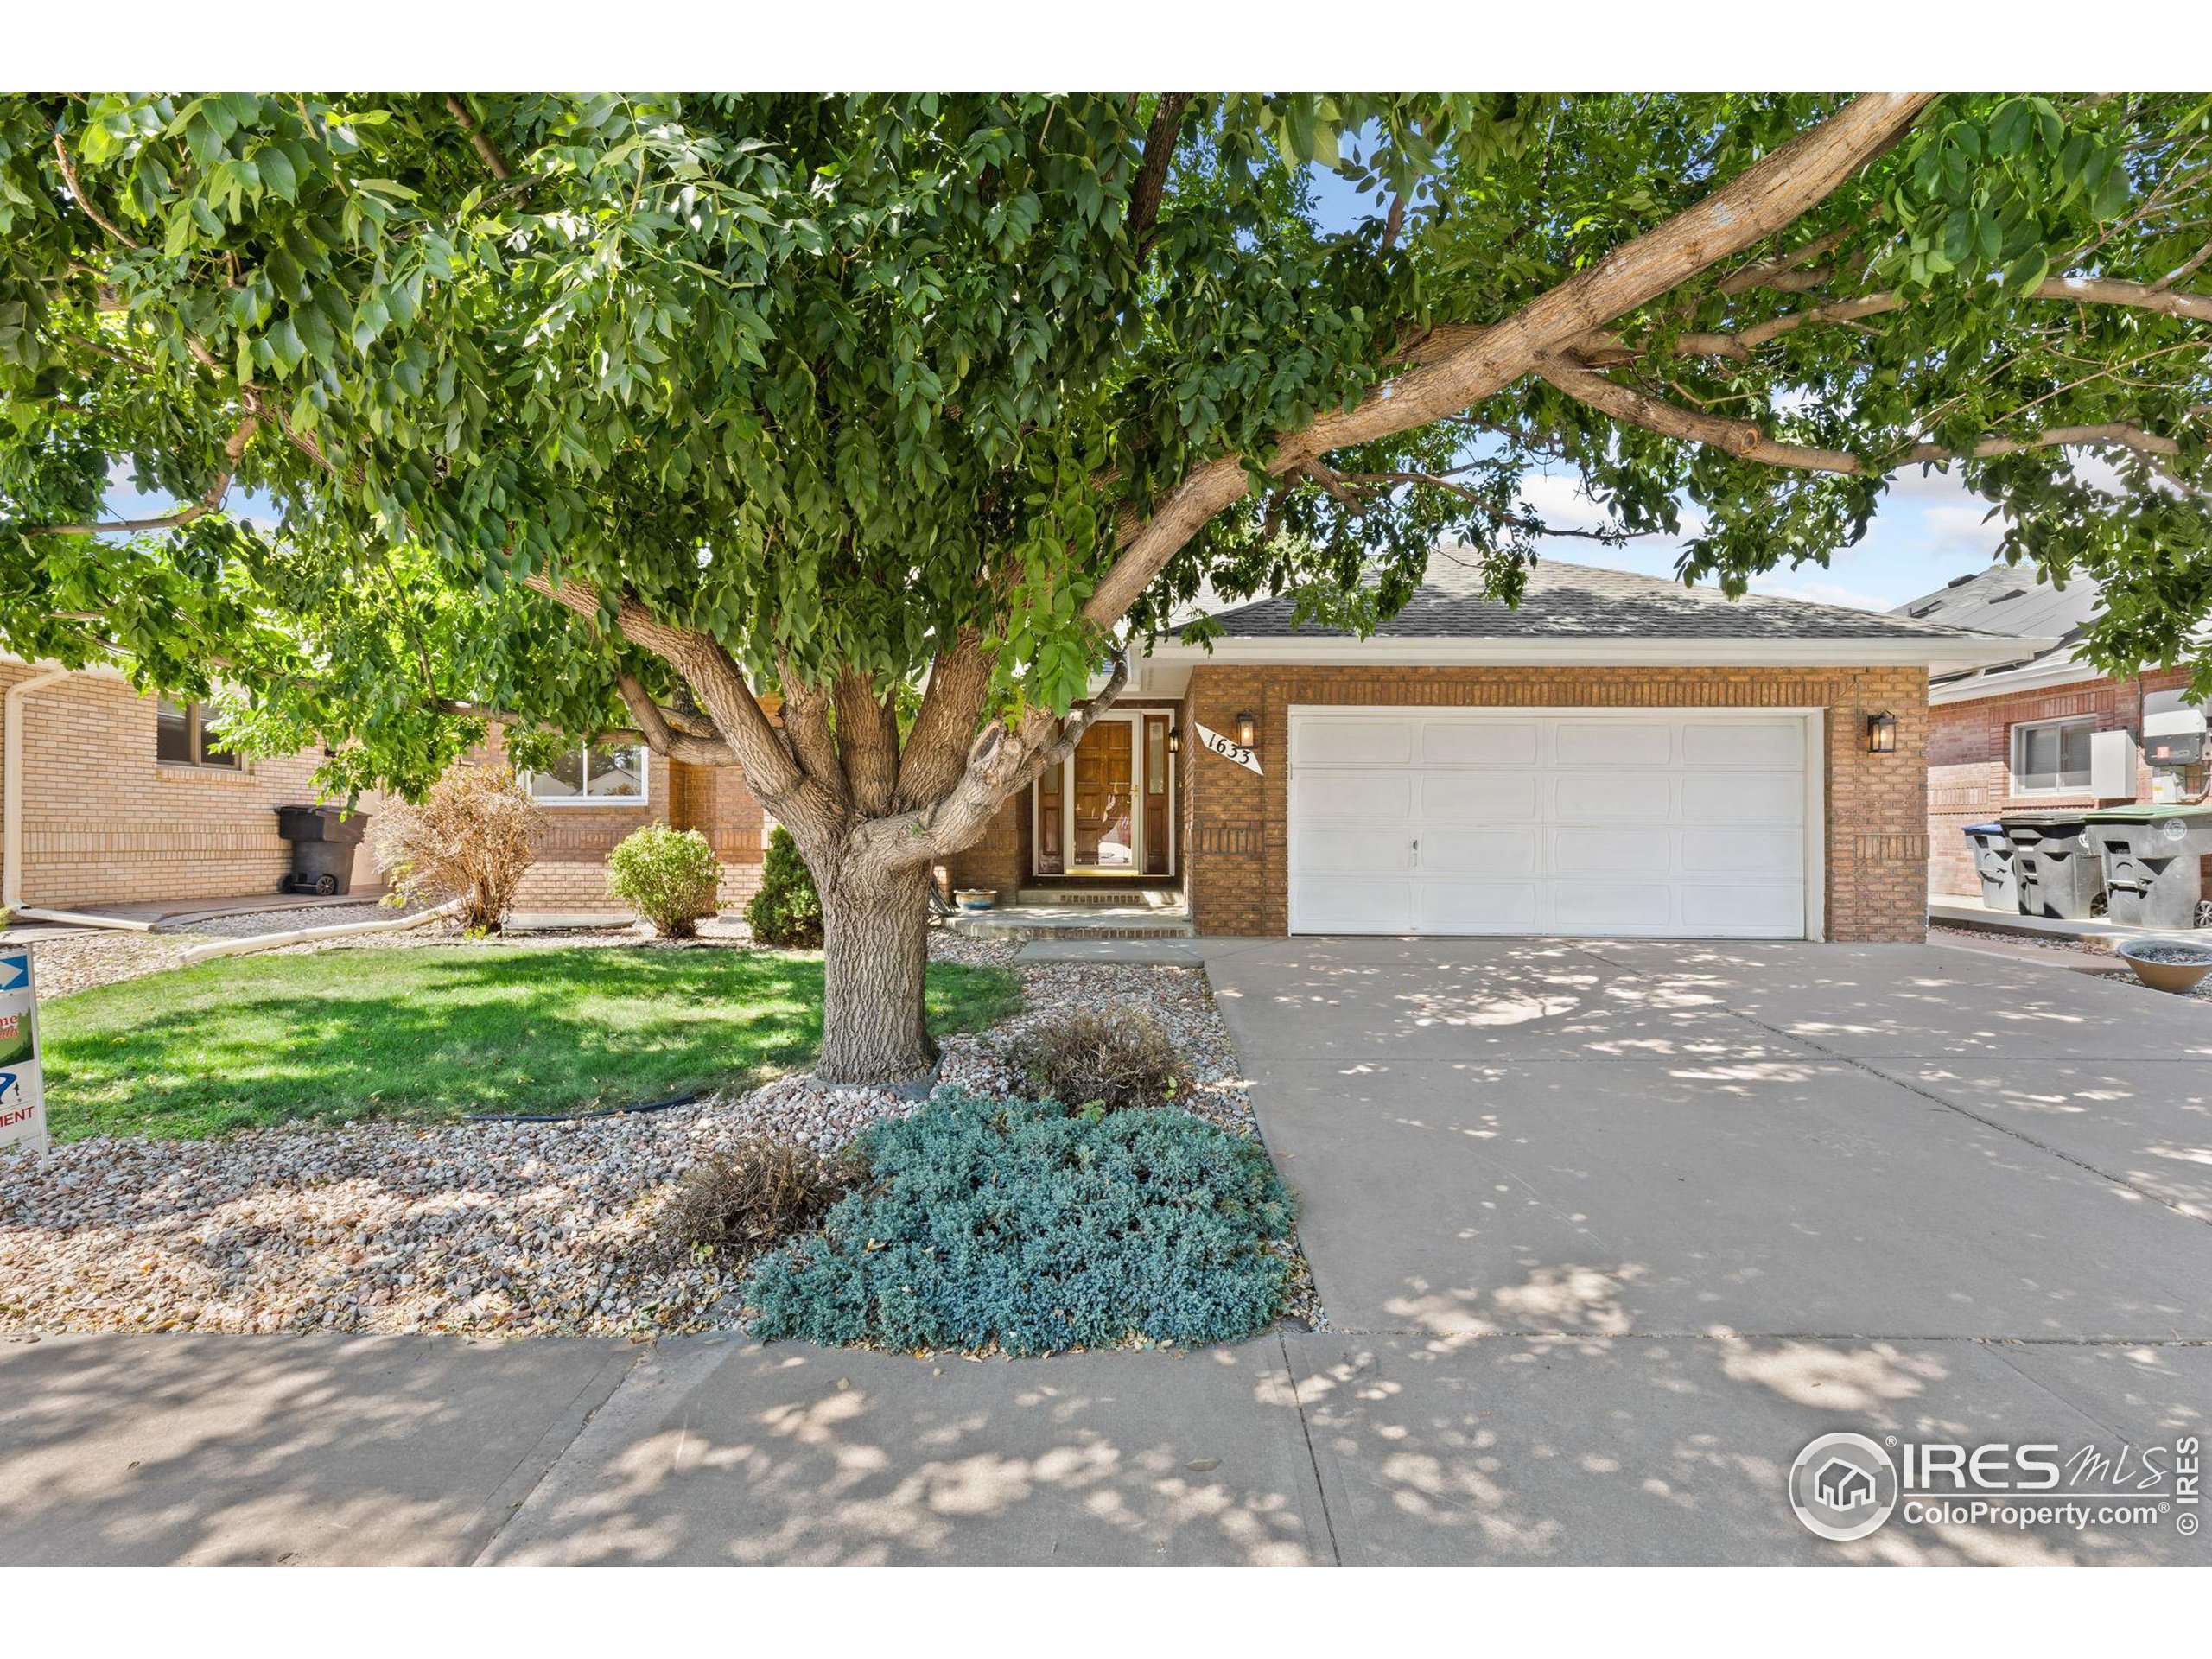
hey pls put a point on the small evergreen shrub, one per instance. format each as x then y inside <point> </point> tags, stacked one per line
<point>738,1202</point>
<point>1034,1228</point>
<point>786,912</point>
<point>671,877</point>
<point>1117,1057</point>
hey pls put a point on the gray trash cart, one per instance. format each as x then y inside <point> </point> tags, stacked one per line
<point>1993,862</point>
<point>323,839</point>
<point>2154,862</point>
<point>2056,860</point>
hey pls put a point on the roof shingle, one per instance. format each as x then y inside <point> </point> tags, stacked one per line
<point>1581,601</point>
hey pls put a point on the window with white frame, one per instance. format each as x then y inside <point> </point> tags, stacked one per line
<point>2051,757</point>
<point>593,774</point>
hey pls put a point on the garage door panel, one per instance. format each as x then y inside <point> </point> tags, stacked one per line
<point>1356,797</point>
<point>1352,850</point>
<point>1596,906</point>
<point>1580,852</point>
<point>1325,742</point>
<point>1481,742</point>
<point>1778,743</point>
<point>1745,908</point>
<point>1613,796</point>
<point>1480,797</point>
<point>1456,906</point>
<point>1706,849</point>
<point>1507,850</point>
<point>1744,797</point>
<point>1629,823</point>
<point>1334,904</point>
<point>1612,741</point>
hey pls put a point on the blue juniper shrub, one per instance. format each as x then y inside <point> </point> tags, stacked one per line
<point>1029,1225</point>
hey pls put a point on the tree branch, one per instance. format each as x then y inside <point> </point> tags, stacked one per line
<point>1767,197</point>
<point>84,201</point>
<point>770,766</point>
<point>658,733</point>
<point>479,139</point>
<point>233,452</point>
<point>1152,173</point>
<point>868,742</point>
<point>1600,350</point>
<point>1746,442</point>
<point>959,683</point>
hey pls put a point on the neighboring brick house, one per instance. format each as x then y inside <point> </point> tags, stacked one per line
<point>2016,735</point>
<point>115,798</point>
<point>1618,756</point>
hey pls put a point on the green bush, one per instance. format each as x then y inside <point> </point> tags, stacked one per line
<point>1026,1225</point>
<point>787,912</point>
<point>671,877</point>
<point>1118,1057</point>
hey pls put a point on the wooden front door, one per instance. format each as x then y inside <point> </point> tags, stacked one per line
<point>1103,823</point>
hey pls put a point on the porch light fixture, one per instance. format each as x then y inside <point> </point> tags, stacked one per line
<point>1174,740</point>
<point>1881,734</point>
<point>1248,728</point>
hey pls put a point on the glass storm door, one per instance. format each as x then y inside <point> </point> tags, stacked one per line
<point>1102,824</point>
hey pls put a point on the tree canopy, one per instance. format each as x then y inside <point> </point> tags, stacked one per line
<point>623,410</point>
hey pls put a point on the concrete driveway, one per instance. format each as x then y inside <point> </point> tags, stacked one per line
<point>1607,1231</point>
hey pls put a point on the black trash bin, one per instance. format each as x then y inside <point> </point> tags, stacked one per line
<point>2056,864</point>
<point>2153,859</point>
<point>1993,862</point>
<point>323,839</point>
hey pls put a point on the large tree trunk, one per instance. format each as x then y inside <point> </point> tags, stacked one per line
<point>875,954</point>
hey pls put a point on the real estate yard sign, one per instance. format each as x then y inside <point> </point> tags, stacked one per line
<point>23,1094</point>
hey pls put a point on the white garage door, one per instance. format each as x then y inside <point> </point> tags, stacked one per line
<point>1663,823</point>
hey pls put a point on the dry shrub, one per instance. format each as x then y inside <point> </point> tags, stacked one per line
<point>469,839</point>
<point>1117,1057</point>
<point>752,1196</point>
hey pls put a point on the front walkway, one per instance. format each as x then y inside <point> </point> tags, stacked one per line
<point>1606,1233</point>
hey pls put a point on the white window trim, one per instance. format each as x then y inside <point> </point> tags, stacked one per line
<point>2016,744</point>
<point>562,803</point>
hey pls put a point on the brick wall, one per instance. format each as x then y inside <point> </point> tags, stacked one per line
<point>1236,825</point>
<point>1970,761</point>
<point>569,876</point>
<point>104,822</point>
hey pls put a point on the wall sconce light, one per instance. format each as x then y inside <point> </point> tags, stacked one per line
<point>1248,728</point>
<point>1174,740</point>
<point>1881,734</point>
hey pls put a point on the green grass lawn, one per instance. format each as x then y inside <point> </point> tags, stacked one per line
<point>427,1034</point>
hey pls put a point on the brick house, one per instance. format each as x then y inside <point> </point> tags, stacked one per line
<point>114,798</point>
<point>2018,734</point>
<point>109,797</point>
<point>1618,756</point>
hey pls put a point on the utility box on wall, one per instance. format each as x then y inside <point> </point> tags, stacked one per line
<point>2112,766</point>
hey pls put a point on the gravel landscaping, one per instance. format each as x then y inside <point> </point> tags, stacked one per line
<point>490,1228</point>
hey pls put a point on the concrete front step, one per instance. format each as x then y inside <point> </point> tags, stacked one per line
<point>1112,897</point>
<point>1021,922</point>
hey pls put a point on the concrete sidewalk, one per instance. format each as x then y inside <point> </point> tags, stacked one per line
<point>1301,1449</point>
